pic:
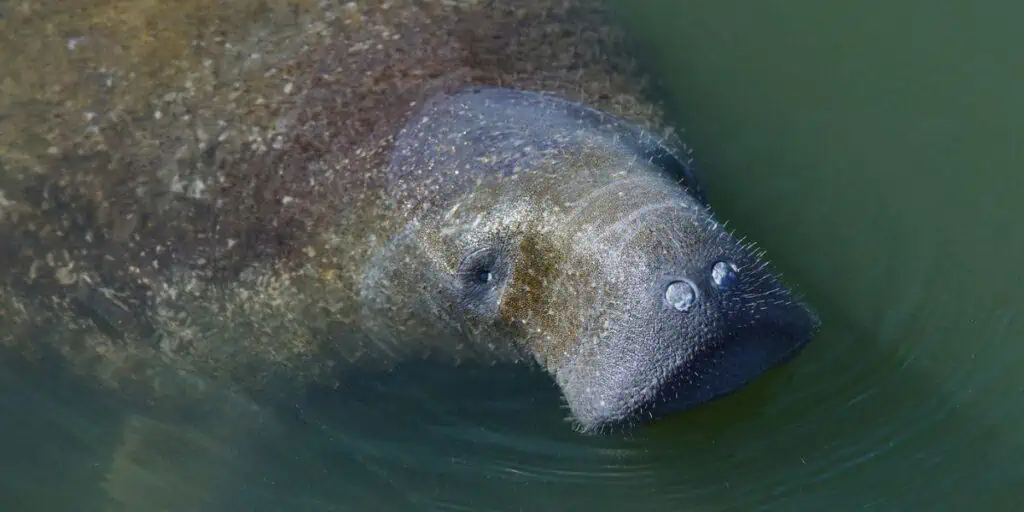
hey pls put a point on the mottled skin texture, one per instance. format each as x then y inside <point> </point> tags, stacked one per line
<point>184,189</point>
<point>264,204</point>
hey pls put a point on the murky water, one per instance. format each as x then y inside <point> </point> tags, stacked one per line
<point>871,148</point>
<point>874,149</point>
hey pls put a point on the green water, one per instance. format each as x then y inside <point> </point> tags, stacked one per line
<point>872,148</point>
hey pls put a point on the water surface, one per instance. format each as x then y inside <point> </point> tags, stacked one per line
<point>872,148</point>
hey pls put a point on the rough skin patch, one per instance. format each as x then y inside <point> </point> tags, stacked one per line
<point>189,183</point>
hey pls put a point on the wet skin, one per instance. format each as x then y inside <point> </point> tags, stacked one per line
<point>553,231</point>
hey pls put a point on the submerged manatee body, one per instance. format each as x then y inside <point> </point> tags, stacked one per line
<point>264,202</point>
<point>543,228</point>
<point>340,215</point>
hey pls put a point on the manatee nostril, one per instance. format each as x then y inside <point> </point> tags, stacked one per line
<point>681,295</point>
<point>723,275</point>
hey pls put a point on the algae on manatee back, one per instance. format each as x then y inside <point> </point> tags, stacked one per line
<point>171,171</point>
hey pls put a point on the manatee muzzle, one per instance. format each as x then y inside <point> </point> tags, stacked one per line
<point>697,316</point>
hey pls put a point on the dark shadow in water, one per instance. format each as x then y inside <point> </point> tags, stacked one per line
<point>422,434</point>
<point>55,438</point>
<point>903,442</point>
<point>496,438</point>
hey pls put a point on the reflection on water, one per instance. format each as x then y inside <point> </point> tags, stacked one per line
<point>874,147</point>
<point>871,149</point>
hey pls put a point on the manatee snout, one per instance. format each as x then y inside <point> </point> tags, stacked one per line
<point>559,232</point>
<point>694,315</point>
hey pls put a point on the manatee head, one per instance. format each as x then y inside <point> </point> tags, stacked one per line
<point>543,228</point>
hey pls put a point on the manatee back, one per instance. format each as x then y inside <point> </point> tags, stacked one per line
<point>454,137</point>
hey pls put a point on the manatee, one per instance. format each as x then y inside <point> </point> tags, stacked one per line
<point>554,232</point>
<point>263,200</point>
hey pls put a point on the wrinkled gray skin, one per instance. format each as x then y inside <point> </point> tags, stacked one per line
<point>552,230</point>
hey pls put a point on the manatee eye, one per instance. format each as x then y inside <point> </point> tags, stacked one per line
<point>723,275</point>
<point>484,275</point>
<point>481,275</point>
<point>481,267</point>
